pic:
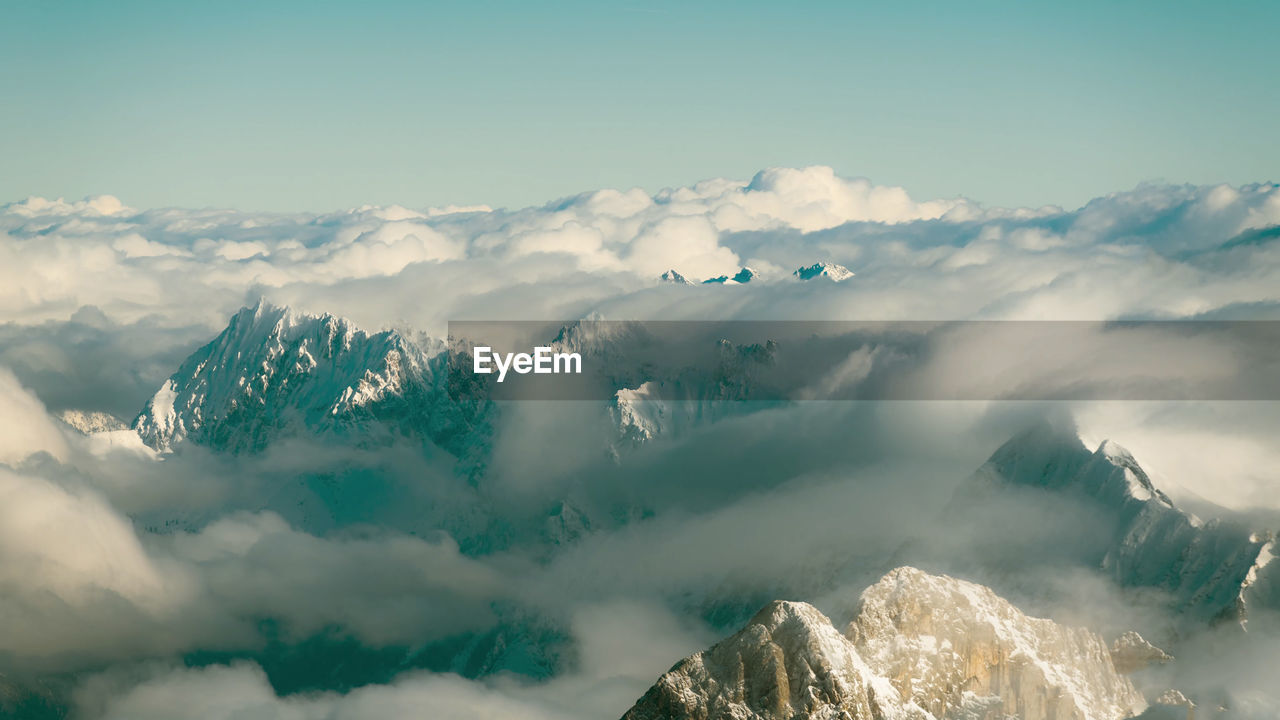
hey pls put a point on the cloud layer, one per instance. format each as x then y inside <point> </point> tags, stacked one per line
<point>118,564</point>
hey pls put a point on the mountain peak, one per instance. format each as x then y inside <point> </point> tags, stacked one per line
<point>783,612</point>
<point>1140,537</point>
<point>742,277</point>
<point>674,278</point>
<point>275,371</point>
<point>921,647</point>
<point>788,663</point>
<point>1114,451</point>
<point>830,271</point>
<point>935,634</point>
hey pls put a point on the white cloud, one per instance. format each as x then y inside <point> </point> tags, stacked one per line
<point>82,584</point>
<point>624,647</point>
<point>25,427</point>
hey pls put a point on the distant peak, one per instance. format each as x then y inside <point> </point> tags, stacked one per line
<point>779,612</point>
<point>675,278</point>
<point>1113,450</point>
<point>264,307</point>
<point>742,277</point>
<point>831,271</point>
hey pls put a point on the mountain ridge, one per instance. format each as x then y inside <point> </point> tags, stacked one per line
<point>920,647</point>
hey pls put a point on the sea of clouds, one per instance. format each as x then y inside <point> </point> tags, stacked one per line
<point>99,302</point>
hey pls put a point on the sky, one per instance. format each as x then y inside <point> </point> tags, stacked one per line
<point>318,106</point>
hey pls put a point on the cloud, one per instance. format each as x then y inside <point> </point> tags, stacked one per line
<point>1155,250</point>
<point>625,646</point>
<point>110,557</point>
<point>25,427</point>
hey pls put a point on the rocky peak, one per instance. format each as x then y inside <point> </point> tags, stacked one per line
<point>274,371</point>
<point>1131,652</point>
<point>90,422</point>
<point>788,662</point>
<point>1147,541</point>
<point>830,271</point>
<point>955,647</point>
<point>920,646</point>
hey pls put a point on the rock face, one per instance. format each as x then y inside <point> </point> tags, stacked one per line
<point>958,650</point>
<point>830,271</point>
<point>1211,570</point>
<point>692,398</point>
<point>274,372</point>
<point>1131,652</point>
<point>674,278</point>
<point>89,422</point>
<point>789,662</point>
<point>920,646</point>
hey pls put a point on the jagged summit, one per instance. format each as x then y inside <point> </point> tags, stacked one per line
<point>1052,454</point>
<point>743,276</point>
<point>1131,652</point>
<point>960,650</point>
<point>830,271</point>
<point>675,278</point>
<point>275,372</point>
<point>1142,539</point>
<point>788,663</point>
<point>89,422</point>
<point>921,647</point>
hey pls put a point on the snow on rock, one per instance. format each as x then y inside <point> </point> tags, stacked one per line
<point>1170,705</point>
<point>921,646</point>
<point>742,277</point>
<point>274,372</point>
<point>788,663</point>
<point>1131,652</point>
<point>675,278</point>
<point>830,271</point>
<point>938,638</point>
<point>89,422</point>
<point>639,414</point>
<point>1149,542</point>
<point>693,397</point>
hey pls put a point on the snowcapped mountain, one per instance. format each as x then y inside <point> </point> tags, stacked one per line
<point>672,405</point>
<point>920,647</point>
<point>674,278</point>
<point>788,663</point>
<point>741,277</point>
<point>830,271</point>
<point>274,372</point>
<point>1213,570</point>
<point>89,422</point>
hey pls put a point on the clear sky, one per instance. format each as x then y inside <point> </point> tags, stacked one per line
<point>324,105</point>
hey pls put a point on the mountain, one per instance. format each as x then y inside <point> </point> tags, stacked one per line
<point>788,663</point>
<point>958,649</point>
<point>675,278</point>
<point>830,271</point>
<point>919,647</point>
<point>1213,570</point>
<point>741,277</point>
<point>692,397</point>
<point>89,422</point>
<point>274,373</point>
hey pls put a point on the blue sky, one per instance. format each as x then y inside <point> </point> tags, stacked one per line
<point>324,105</point>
